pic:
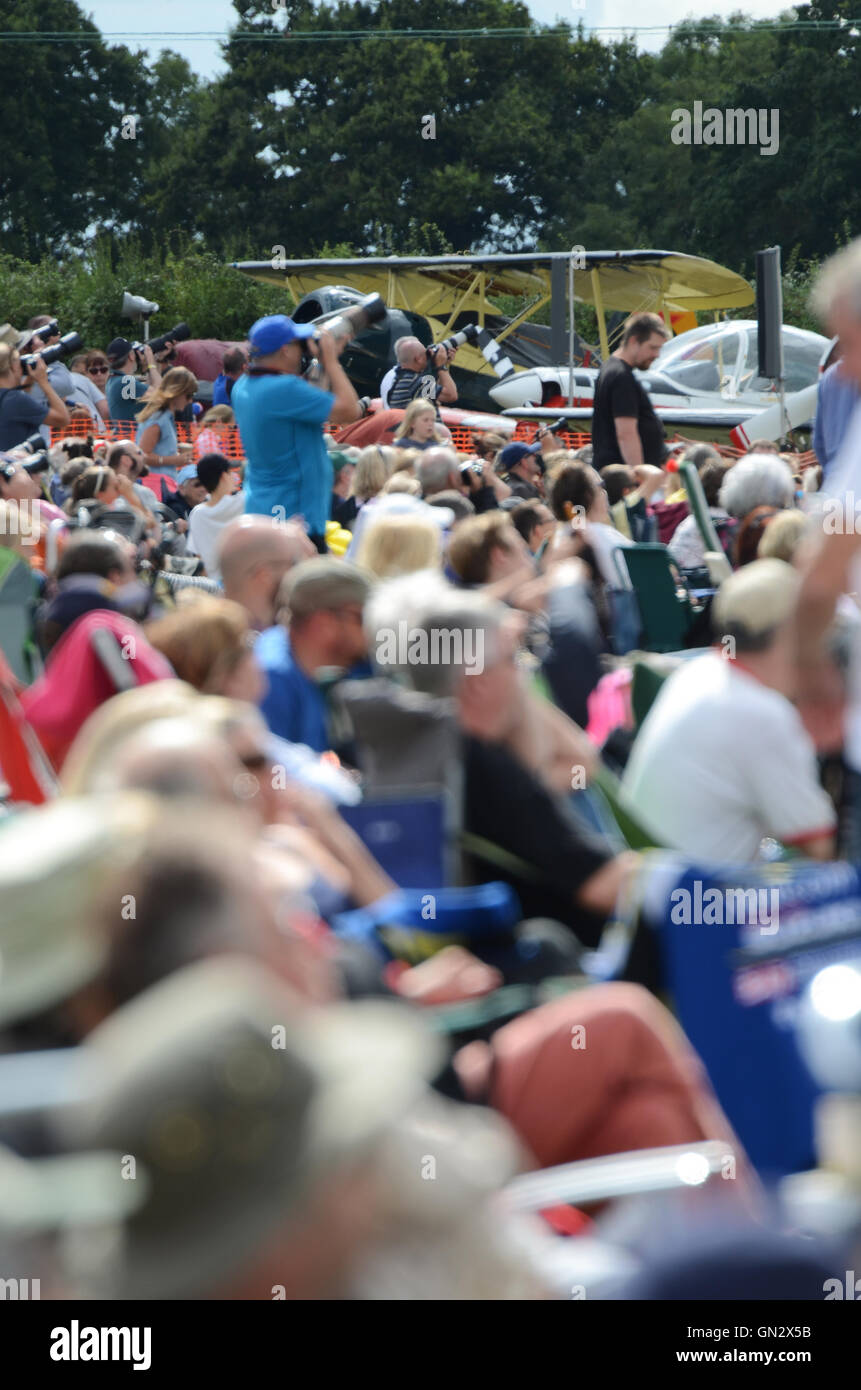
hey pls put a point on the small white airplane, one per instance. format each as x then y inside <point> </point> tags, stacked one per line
<point>703,380</point>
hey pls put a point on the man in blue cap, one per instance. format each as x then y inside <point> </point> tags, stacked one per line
<point>280,417</point>
<point>520,466</point>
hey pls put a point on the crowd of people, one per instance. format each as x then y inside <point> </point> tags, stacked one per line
<point>220,666</point>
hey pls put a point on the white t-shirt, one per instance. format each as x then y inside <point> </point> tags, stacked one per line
<point>604,540</point>
<point>722,761</point>
<point>87,394</point>
<point>386,386</point>
<point>205,525</point>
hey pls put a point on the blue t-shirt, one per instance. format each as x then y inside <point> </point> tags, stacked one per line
<point>835,403</point>
<point>288,472</point>
<point>294,706</point>
<point>167,442</point>
<point>19,416</point>
<point>220,392</point>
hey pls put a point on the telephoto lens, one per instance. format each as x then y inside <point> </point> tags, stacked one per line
<point>70,342</point>
<point>46,331</point>
<point>180,334</point>
<point>36,463</point>
<point>468,334</point>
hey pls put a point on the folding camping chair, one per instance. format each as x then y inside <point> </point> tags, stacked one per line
<point>19,592</point>
<point>718,565</point>
<point>667,610</point>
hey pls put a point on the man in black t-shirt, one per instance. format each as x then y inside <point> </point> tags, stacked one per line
<point>625,428</point>
<point>557,865</point>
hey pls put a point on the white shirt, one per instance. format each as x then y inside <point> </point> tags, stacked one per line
<point>87,394</point>
<point>386,386</point>
<point>722,761</point>
<point>205,525</point>
<point>604,540</point>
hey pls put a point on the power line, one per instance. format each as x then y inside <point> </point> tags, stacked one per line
<point>60,36</point>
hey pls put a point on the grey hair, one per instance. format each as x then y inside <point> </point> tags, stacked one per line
<point>404,346</point>
<point>424,609</point>
<point>839,281</point>
<point>755,481</point>
<point>435,468</point>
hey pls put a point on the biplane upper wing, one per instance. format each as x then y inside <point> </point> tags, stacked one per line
<point>440,286</point>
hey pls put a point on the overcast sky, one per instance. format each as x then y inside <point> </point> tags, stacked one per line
<point>162,17</point>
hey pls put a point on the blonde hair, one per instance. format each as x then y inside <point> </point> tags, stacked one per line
<point>179,381</point>
<point>406,460</point>
<point>98,739</point>
<point>218,415</point>
<point>402,482</point>
<point>782,536</point>
<point>203,640</point>
<point>396,545</point>
<point>7,358</point>
<point>413,410</point>
<point>372,471</point>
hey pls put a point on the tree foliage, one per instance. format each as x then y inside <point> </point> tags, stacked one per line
<point>416,145</point>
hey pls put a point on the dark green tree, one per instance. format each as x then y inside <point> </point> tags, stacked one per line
<point>64,166</point>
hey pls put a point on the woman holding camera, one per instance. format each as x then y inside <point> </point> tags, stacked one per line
<point>20,415</point>
<point>156,431</point>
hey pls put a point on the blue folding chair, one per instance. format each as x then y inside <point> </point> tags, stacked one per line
<point>733,988</point>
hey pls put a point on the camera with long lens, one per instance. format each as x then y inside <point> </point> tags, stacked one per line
<point>343,325</point>
<point>554,428</point>
<point>37,462</point>
<point>46,331</point>
<point>468,334</point>
<point>180,334</point>
<point>69,343</point>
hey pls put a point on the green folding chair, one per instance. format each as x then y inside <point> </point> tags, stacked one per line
<point>718,565</point>
<point>666,608</point>
<point>19,590</point>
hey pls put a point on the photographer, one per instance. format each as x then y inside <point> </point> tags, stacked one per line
<point>20,413</point>
<point>440,470</point>
<point>124,389</point>
<point>32,340</point>
<point>280,418</point>
<point>421,372</point>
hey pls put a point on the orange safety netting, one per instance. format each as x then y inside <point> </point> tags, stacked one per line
<point>229,442</point>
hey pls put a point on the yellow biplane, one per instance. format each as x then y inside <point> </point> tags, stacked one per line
<point>432,297</point>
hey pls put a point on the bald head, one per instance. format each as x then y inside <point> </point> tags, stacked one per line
<point>175,757</point>
<point>410,353</point>
<point>438,471</point>
<point>255,553</point>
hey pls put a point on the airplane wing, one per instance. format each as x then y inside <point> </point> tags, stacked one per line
<point>616,280</point>
<point>721,417</point>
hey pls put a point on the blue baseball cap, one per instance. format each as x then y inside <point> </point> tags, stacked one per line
<point>513,453</point>
<point>185,475</point>
<point>274,331</point>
